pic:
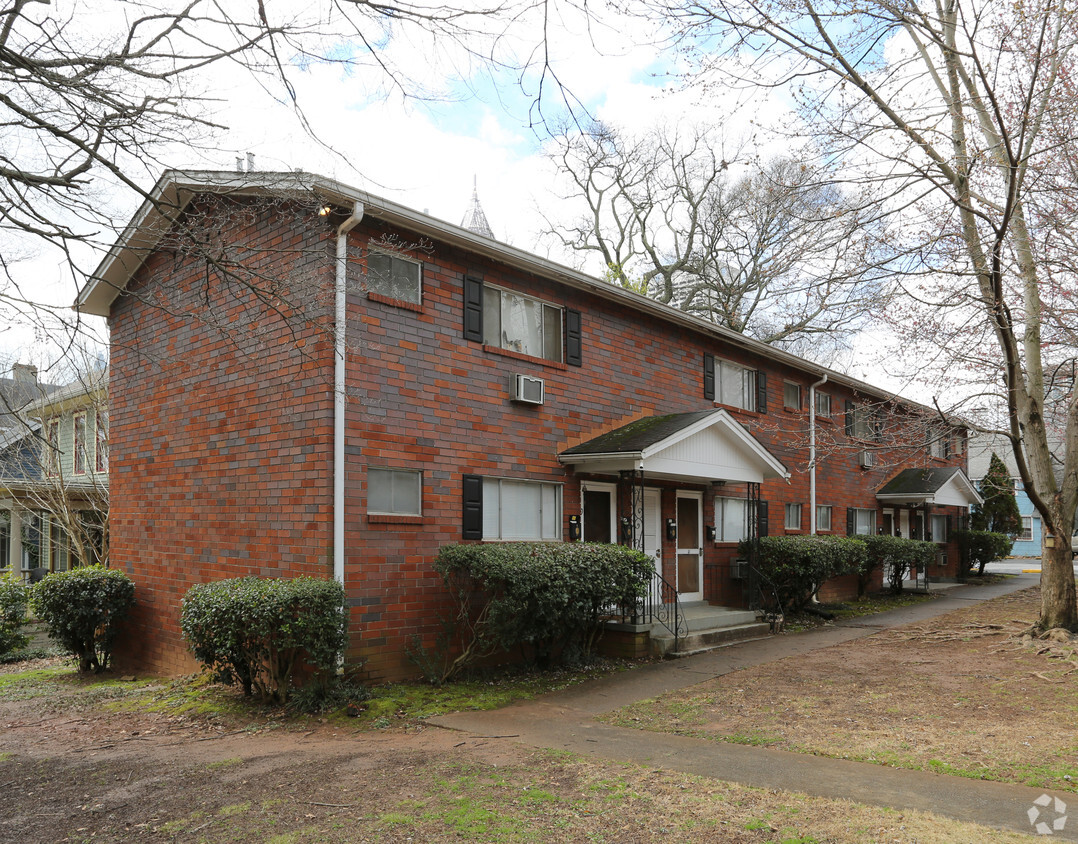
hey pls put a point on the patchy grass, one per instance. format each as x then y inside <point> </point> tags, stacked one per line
<point>956,695</point>
<point>856,608</point>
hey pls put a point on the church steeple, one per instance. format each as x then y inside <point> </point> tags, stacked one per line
<point>474,219</point>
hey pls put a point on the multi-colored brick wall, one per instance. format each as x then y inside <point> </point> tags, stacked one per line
<point>221,416</point>
<point>222,425</point>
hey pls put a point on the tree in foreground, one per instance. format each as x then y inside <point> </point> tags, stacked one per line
<point>962,117</point>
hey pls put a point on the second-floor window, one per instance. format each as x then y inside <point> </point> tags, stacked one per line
<point>862,422</point>
<point>101,441</point>
<point>823,404</point>
<point>80,462</point>
<point>791,396</point>
<point>394,277</point>
<point>521,324</point>
<point>735,385</point>
<point>52,447</point>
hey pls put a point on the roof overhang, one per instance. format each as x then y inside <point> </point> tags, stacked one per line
<point>175,189</point>
<point>715,447</point>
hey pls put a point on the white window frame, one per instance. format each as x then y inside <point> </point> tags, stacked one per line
<point>376,283</point>
<point>721,505</point>
<point>494,335</point>
<point>52,446</point>
<point>5,538</point>
<point>394,475</point>
<point>871,522</point>
<point>823,404</point>
<point>937,447</point>
<point>942,520</point>
<point>1027,530</point>
<point>821,511</point>
<point>101,441</point>
<point>788,522</point>
<point>730,376</point>
<point>78,449</point>
<point>496,523</point>
<point>786,385</point>
<point>864,417</point>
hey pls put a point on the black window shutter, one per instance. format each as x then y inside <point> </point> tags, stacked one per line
<point>950,527</point>
<point>851,525</point>
<point>762,527</point>
<point>761,391</point>
<point>709,376</point>
<point>947,445</point>
<point>849,418</point>
<point>574,346</point>
<point>472,493</point>
<point>473,309</point>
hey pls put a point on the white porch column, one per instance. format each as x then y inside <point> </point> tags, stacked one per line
<point>15,545</point>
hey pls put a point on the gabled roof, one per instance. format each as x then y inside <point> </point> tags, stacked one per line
<point>175,189</point>
<point>946,485</point>
<point>700,446</point>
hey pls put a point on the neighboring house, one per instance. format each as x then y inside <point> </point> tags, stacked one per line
<point>54,480</point>
<point>310,380</point>
<point>1029,542</point>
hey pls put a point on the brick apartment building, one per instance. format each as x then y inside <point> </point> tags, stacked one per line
<point>310,380</point>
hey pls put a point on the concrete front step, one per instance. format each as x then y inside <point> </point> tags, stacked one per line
<point>707,627</point>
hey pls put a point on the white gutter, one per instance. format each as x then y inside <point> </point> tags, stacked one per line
<point>341,290</point>
<point>812,456</point>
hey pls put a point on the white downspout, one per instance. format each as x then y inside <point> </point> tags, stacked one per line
<point>341,300</point>
<point>812,453</point>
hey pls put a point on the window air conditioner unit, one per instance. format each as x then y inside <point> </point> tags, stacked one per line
<point>739,570</point>
<point>866,459</point>
<point>525,388</point>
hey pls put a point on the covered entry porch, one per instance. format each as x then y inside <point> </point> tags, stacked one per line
<point>651,484</point>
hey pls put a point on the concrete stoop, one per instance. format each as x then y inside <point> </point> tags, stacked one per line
<point>707,628</point>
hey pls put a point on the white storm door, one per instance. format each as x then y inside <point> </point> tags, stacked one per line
<point>653,543</point>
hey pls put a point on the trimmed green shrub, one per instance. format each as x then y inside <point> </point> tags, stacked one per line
<point>254,631</point>
<point>795,567</point>
<point>14,599</point>
<point>82,609</point>
<point>898,556</point>
<point>548,598</point>
<point>980,547</point>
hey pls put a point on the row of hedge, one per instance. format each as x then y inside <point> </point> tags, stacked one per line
<point>795,567</point>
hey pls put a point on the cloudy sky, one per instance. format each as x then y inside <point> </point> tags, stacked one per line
<point>482,124</point>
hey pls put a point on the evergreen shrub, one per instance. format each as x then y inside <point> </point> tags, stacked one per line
<point>897,555</point>
<point>82,609</point>
<point>14,599</point>
<point>795,567</point>
<point>254,632</point>
<point>546,598</point>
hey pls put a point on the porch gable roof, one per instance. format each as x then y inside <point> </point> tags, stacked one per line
<point>700,446</point>
<point>945,486</point>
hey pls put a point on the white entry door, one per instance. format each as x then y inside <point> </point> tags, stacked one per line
<point>653,543</point>
<point>690,542</point>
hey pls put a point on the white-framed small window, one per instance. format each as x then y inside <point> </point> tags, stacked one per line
<point>101,441</point>
<point>1027,530</point>
<point>793,517</point>
<point>791,396</point>
<point>735,385</point>
<point>394,492</point>
<point>52,446</point>
<point>521,510</point>
<point>394,276</point>
<point>523,324</point>
<point>937,446</point>
<point>731,519</point>
<point>939,529</point>
<point>823,404</point>
<point>80,461</point>
<point>864,522</point>
<point>823,517</point>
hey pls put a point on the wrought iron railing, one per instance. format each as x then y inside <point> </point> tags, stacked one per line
<point>660,605</point>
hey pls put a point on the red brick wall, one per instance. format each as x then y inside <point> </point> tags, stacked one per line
<point>222,441</point>
<point>221,423</point>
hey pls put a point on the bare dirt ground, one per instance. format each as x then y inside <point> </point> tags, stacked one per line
<point>960,694</point>
<point>107,762</point>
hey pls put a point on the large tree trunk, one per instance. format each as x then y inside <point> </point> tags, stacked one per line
<point>1057,584</point>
